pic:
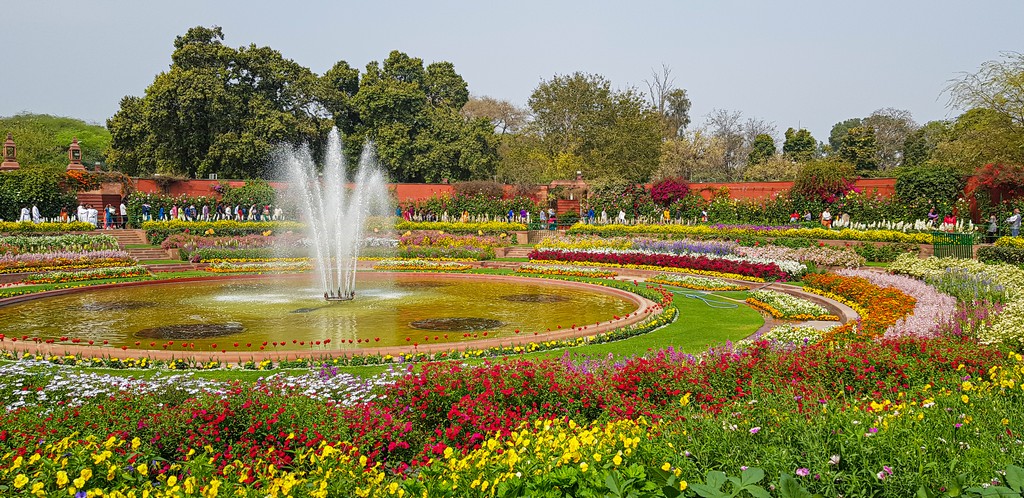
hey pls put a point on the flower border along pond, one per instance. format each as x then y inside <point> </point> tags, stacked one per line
<point>653,310</point>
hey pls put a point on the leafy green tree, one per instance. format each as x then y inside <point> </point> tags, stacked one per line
<point>800,146</point>
<point>43,140</point>
<point>611,132</point>
<point>762,150</point>
<point>823,180</point>
<point>859,148</point>
<point>921,143</point>
<point>921,187</point>
<point>998,86</point>
<point>839,131</point>
<point>218,110</point>
<point>775,169</point>
<point>977,137</point>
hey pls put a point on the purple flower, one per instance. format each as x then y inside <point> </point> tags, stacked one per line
<point>803,472</point>
<point>755,430</point>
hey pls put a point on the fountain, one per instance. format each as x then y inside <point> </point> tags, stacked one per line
<point>336,210</point>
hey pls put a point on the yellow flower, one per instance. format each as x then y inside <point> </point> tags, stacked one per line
<point>964,398</point>
<point>666,467</point>
<point>597,457</point>
<point>617,460</point>
<point>20,481</point>
<point>584,467</point>
<point>1006,421</point>
<point>171,481</point>
<point>62,478</point>
<point>682,485</point>
<point>685,400</point>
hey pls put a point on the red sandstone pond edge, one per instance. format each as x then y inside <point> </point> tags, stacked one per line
<point>645,309</point>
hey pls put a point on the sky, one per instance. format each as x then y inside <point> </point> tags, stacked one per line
<point>792,63</point>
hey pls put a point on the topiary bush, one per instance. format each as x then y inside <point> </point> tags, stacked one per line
<point>669,190</point>
<point>1001,254</point>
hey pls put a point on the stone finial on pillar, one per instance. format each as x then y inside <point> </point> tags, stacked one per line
<point>75,156</point>
<point>10,155</point>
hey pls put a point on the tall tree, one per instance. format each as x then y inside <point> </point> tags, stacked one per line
<point>921,143</point>
<point>800,146</point>
<point>696,156</point>
<point>612,133</point>
<point>998,86</point>
<point>763,149</point>
<point>859,148</point>
<point>670,102</point>
<point>839,131</point>
<point>505,116</point>
<point>891,127</point>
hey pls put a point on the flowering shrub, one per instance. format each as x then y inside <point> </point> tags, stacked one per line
<point>567,270</point>
<point>703,263</point>
<point>54,261</point>
<point>791,335</point>
<point>694,282</point>
<point>97,274</point>
<point>788,307</point>
<point>585,242</point>
<point>441,245</point>
<point>1017,242</point>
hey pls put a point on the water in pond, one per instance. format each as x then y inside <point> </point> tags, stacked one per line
<point>386,312</point>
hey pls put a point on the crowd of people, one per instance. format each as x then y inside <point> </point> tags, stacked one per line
<point>218,212</point>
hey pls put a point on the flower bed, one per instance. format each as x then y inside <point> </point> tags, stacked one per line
<point>441,245</point>
<point>158,231</point>
<point>27,227</point>
<point>484,228</point>
<point>77,276</point>
<point>821,256</point>
<point>419,265</point>
<point>57,261</point>
<point>879,308</point>
<point>290,265</point>
<point>788,334</point>
<point>932,309</point>
<point>768,271</point>
<point>566,270</point>
<point>525,427</point>
<point>695,282</point>
<point>788,307</point>
<point>20,244</point>
<point>733,231</point>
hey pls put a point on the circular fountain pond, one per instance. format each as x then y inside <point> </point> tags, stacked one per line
<point>389,310</point>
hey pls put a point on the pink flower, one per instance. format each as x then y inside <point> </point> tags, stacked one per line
<point>755,430</point>
<point>803,472</point>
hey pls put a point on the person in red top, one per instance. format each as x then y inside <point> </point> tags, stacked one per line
<point>950,222</point>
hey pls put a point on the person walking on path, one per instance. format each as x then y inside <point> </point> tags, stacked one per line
<point>826,218</point>
<point>1014,222</point>
<point>124,214</point>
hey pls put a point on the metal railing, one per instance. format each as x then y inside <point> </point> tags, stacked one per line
<point>953,245</point>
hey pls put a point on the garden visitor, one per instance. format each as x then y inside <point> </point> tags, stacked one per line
<point>36,217</point>
<point>590,216</point>
<point>92,216</point>
<point>174,212</point>
<point>665,216</point>
<point>1014,222</point>
<point>511,215</point>
<point>807,215</point>
<point>552,222</point>
<point>794,216</point>
<point>604,216</point>
<point>254,213</point>
<point>949,223</point>
<point>826,218</point>
<point>465,217</point>
<point>993,228</point>
<point>124,214</point>
<point>278,212</point>
<point>523,216</point>
<point>108,217</point>
<point>266,212</point>
<point>145,211</point>
<point>206,212</point>
<point>704,215</point>
<point>64,215</point>
<point>80,213</point>
<point>622,217</point>
<point>160,216</point>
<point>933,217</point>
<point>543,217</point>
<point>398,211</point>
<point>25,215</point>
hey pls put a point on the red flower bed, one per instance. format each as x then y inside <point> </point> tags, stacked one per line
<point>765,271</point>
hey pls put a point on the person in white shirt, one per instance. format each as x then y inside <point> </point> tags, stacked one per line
<point>826,218</point>
<point>93,216</point>
<point>36,216</point>
<point>81,214</point>
<point>25,215</point>
<point>622,216</point>
<point>124,215</point>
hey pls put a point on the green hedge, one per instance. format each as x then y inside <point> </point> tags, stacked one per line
<point>157,231</point>
<point>997,254</point>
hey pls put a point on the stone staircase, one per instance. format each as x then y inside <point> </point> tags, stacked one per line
<point>535,236</point>
<point>136,237</point>
<point>183,266</point>
<point>518,251</point>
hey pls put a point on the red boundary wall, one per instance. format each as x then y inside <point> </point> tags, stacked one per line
<point>408,192</point>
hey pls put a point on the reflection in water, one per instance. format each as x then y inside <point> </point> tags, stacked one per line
<point>457,323</point>
<point>535,298</point>
<point>191,331</point>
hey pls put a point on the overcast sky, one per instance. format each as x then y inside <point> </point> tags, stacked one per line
<point>808,63</point>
